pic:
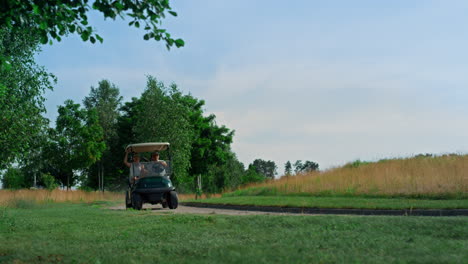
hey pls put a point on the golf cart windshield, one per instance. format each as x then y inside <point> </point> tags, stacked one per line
<point>150,169</point>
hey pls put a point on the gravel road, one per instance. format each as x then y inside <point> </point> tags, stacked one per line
<point>197,210</point>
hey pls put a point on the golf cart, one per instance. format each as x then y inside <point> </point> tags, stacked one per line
<point>149,180</point>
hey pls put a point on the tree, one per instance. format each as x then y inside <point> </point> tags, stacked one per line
<point>211,144</point>
<point>13,178</point>
<point>265,168</point>
<point>251,175</point>
<point>225,176</point>
<point>287,168</point>
<point>126,124</point>
<point>106,100</point>
<point>54,19</point>
<point>76,142</point>
<point>298,166</point>
<point>164,113</point>
<point>21,94</point>
<point>307,166</point>
<point>162,117</point>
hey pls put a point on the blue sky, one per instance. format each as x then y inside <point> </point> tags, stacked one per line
<point>328,81</point>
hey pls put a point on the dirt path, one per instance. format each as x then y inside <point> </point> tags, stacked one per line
<point>198,210</point>
<point>203,208</point>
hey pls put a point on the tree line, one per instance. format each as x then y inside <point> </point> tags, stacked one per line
<point>85,146</point>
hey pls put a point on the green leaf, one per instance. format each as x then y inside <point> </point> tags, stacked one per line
<point>44,39</point>
<point>84,22</point>
<point>137,24</point>
<point>99,38</point>
<point>118,6</point>
<point>173,13</point>
<point>85,36</point>
<point>92,39</point>
<point>146,37</point>
<point>179,43</point>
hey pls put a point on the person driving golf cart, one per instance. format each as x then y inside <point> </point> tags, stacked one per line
<point>158,166</point>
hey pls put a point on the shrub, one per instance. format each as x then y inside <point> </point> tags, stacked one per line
<point>13,179</point>
<point>49,181</point>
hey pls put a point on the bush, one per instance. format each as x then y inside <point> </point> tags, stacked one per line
<point>13,179</point>
<point>251,176</point>
<point>86,188</point>
<point>49,181</point>
<point>356,164</point>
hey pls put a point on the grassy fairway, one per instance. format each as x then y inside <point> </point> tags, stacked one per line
<point>338,202</point>
<point>82,233</point>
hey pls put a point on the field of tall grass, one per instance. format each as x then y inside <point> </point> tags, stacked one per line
<point>25,197</point>
<point>13,197</point>
<point>421,176</point>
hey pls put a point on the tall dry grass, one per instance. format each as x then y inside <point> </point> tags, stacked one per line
<point>7,197</point>
<point>441,176</point>
<point>11,197</point>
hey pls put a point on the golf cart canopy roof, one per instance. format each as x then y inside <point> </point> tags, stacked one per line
<point>147,147</point>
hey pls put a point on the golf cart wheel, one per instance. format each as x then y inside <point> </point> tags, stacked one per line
<point>173,200</point>
<point>128,203</point>
<point>137,202</point>
<point>164,204</point>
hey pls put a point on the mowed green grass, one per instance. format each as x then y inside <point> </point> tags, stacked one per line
<point>338,202</point>
<point>84,233</point>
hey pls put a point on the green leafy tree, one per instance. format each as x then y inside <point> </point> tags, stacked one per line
<point>225,176</point>
<point>54,19</point>
<point>76,142</point>
<point>126,124</point>
<point>307,166</point>
<point>251,175</point>
<point>106,100</point>
<point>49,181</point>
<point>210,145</point>
<point>33,161</point>
<point>166,114</point>
<point>163,117</point>
<point>287,168</point>
<point>21,95</point>
<point>298,166</point>
<point>265,168</point>
<point>13,178</point>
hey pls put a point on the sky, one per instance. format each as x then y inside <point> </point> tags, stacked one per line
<point>326,81</point>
